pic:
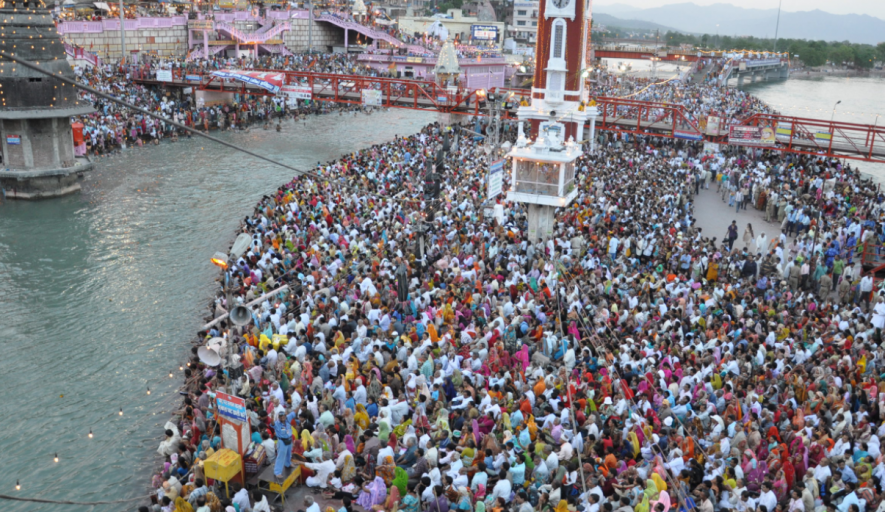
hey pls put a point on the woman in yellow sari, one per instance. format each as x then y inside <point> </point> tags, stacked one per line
<point>562,506</point>
<point>339,340</point>
<point>361,418</point>
<point>532,426</point>
<point>348,471</point>
<point>634,441</point>
<point>307,440</point>
<point>182,506</point>
<point>659,482</point>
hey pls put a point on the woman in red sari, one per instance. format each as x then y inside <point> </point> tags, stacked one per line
<point>789,470</point>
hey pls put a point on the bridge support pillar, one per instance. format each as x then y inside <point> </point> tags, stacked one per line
<point>205,44</point>
<point>345,41</point>
<point>740,80</point>
<point>445,119</point>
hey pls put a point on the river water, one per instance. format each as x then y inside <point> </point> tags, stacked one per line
<point>863,99</point>
<point>102,291</point>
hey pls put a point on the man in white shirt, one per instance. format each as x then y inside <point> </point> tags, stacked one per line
<point>309,505</point>
<point>767,498</point>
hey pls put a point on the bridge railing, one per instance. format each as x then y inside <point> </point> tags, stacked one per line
<point>817,136</point>
<point>83,54</point>
<point>253,37</point>
<point>371,32</point>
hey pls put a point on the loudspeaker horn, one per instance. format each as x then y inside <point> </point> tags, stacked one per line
<point>209,356</point>
<point>240,315</point>
<point>240,245</point>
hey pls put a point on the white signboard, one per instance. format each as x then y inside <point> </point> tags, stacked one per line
<point>496,178</point>
<point>164,75</point>
<point>297,92</point>
<point>371,97</point>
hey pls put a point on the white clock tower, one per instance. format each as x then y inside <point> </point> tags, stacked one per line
<point>544,167</point>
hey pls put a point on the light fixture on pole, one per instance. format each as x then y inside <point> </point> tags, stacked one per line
<point>219,259</point>
<point>834,111</point>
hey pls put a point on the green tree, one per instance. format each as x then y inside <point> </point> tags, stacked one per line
<point>813,57</point>
<point>840,54</point>
<point>880,52</point>
<point>864,56</point>
<point>705,40</point>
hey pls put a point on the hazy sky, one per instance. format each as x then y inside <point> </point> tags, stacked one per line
<point>871,7</point>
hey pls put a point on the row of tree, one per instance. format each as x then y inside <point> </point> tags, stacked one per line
<point>810,53</point>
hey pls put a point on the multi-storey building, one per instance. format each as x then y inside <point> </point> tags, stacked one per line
<point>524,27</point>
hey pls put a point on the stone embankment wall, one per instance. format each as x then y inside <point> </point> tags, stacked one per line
<point>172,41</point>
<point>165,41</point>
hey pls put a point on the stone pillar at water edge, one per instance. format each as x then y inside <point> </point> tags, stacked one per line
<point>40,158</point>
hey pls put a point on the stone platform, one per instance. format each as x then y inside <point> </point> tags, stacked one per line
<point>43,183</point>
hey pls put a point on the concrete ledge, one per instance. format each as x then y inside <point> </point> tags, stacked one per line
<point>43,183</point>
<point>82,164</point>
<point>43,194</point>
<point>43,113</point>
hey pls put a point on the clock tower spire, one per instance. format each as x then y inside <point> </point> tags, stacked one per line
<point>544,163</point>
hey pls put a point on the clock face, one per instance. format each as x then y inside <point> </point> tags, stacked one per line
<point>561,4</point>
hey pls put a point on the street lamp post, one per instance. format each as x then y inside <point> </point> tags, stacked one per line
<point>122,35</point>
<point>834,111</point>
<point>236,318</point>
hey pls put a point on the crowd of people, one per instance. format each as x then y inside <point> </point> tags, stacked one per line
<point>113,127</point>
<point>698,95</point>
<point>628,363</point>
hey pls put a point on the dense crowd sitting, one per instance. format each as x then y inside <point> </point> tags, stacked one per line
<point>628,363</point>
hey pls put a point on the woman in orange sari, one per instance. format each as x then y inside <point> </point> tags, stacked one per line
<point>687,448</point>
<point>387,470</point>
<point>609,466</point>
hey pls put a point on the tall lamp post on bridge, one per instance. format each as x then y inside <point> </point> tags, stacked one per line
<point>834,111</point>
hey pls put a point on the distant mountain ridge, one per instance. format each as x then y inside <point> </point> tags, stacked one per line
<point>738,21</point>
<point>611,21</point>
